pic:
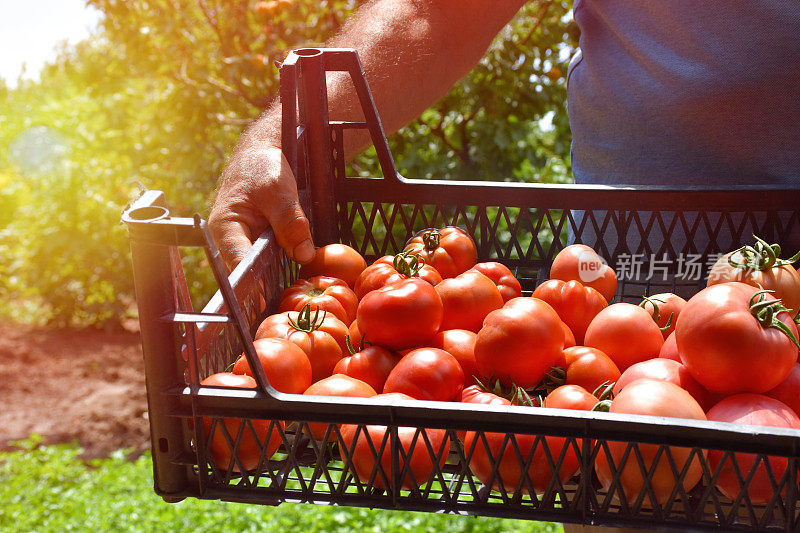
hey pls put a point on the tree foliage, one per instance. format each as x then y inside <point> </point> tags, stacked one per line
<point>159,96</point>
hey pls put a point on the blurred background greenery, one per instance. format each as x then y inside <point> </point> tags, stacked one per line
<point>159,95</point>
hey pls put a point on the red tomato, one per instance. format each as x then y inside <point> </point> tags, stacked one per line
<point>581,263</point>
<point>321,292</point>
<point>354,333</point>
<point>335,260</point>
<point>502,276</point>
<point>669,350</point>
<point>626,333</point>
<point>656,398</point>
<point>450,250</point>
<point>467,299</point>
<point>569,338</point>
<point>336,385</point>
<point>427,374</point>
<point>371,365</point>
<point>287,366</point>
<point>575,304</point>
<point>588,368</point>
<point>666,310</point>
<point>356,441</point>
<point>667,370</point>
<point>726,348</point>
<point>459,343</point>
<point>788,391</point>
<point>752,410</point>
<point>390,269</point>
<point>402,315</point>
<point>519,342</point>
<point>321,337</point>
<point>509,475</point>
<point>249,451</point>
<point>759,266</point>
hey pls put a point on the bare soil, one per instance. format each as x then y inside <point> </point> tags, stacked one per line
<point>82,385</point>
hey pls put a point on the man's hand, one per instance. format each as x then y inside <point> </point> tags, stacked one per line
<point>412,52</point>
<point>258,190</point>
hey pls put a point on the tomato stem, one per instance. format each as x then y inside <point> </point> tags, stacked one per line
<point>766,312</point>
<point>304,320</point>
<point>553,379</point>
<point>605,391</point>
<point>431,239</point>
<point>760,256</point>
<point>654,302</point>
<point>408,264</point>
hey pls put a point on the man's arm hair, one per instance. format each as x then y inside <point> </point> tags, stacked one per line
<point>412,52</point>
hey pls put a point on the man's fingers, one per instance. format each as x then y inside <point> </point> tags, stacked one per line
<point>233,239</point>
<point>292,230</point>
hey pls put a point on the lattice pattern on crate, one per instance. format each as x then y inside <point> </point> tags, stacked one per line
<point>507,234</point>
<point>479,473</point>
<point>216,346</point>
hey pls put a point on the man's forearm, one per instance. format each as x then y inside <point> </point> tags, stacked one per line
<point>412,51</point>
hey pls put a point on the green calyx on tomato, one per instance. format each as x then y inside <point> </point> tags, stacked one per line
<point>766,311</point>
<point>354,349</point>
<point>761,256</point>
<point>513,392</point>
<point>604,394</point>
<point>305,322</point>
<point>553,379</point>
<point>431,239</point>
<point>656,313</point>
<point>408,264</point>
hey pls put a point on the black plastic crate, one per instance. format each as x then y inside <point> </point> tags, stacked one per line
<point>521,225</point>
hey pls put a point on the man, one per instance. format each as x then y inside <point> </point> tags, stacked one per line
<point>670,92</point>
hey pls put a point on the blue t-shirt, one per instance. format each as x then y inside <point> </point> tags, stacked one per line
<point>686,92</point>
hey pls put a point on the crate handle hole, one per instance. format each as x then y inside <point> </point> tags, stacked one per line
<point>146,214</point>
<point>308,52</point>
<point>163,445</point>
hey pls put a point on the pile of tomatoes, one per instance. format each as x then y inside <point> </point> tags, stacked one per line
<point>431,323</point>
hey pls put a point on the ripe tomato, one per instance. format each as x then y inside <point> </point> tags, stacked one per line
<point>656,398</point>
<point>337,261</point>
<point>336,385</point>
<point>427,374</point>
<point>788,390</point>
<point>493,449</point>
<point>666,310</point>
<point>581,263</point>
<point>372,365</point>
<point>402,315</point>
<point>321,292</point>
<point>502,276</point>
<point>760,266</point>
<point>588,368</point>
<point>459,343</point>
<point>356,443</point>
<point>626,333</point>
<point>390,269</point>
<point>467,299</point>
<point>287,366</point>
<point>667,370</point>
<point>252,441</point>
<point>724,345</point>
<point>576,304</point>
<point>519,342</point>
<point>449,250</point>
<point>320,336</point>
<point>569,338</point>
<point>752,410</point>
<point>669,350</point>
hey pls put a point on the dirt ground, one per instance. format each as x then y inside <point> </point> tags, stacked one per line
<point>73,385</point>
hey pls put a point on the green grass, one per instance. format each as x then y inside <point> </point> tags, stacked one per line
<point>49,488</point>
